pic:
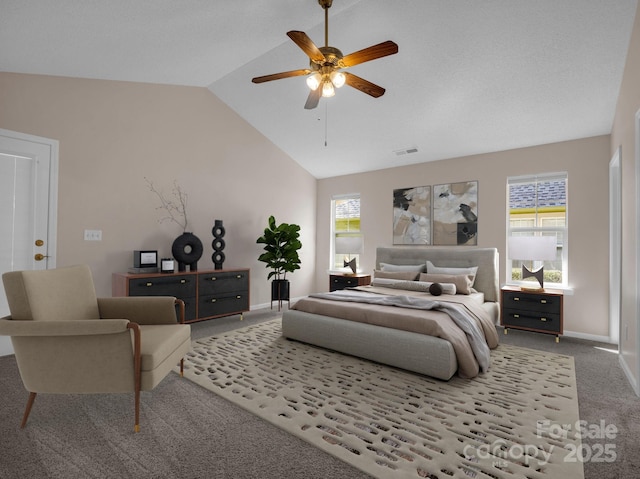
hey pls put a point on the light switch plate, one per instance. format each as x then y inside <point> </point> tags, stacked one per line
<point>93,235</point>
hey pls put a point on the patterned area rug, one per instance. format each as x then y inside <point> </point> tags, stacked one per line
<point>519,420</point>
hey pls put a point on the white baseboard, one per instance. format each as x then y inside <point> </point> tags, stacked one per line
<point>6,348</point>
<point>630,377</point>
<point>255,307</point>
<point>589,337</point>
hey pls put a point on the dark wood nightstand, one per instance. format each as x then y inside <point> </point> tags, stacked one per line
<point>538,311</point>
<point>344,280</point>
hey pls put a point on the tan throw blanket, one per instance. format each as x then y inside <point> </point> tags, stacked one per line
<point>416,312</point>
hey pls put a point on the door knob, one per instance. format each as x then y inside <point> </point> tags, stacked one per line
<point>40,257</point>
<point>39,242</point>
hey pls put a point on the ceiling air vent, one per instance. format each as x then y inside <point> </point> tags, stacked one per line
<point>406,151</point>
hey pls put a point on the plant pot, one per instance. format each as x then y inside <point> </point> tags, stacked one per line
<point>279,292</point>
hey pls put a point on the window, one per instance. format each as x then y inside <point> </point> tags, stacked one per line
<point>538,207</point>
<point>346,237</point>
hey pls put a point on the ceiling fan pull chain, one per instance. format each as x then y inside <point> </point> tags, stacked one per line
<point>326,121</point>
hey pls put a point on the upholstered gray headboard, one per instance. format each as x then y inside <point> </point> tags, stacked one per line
<point>486,259</point>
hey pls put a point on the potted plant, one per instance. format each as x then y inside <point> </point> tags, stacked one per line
<point>281,245</point>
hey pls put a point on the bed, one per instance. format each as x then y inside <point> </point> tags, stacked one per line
<point>424,336</point>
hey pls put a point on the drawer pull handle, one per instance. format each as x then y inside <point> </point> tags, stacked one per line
<point>239,276</point>
<point>213,278</point>
<point>182,281</point>
<point>544,320</point>
<point>213,300</point>
<point>516,298</point>
<point>516,315</point>
<point>543,301</point>
<point>149,284</point>
<point>238,297</point>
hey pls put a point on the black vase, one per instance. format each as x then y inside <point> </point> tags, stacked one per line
<point>218,244</point>
<point>187,250</point>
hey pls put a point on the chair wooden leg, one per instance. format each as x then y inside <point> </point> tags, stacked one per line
<point>182,367</point>
<point>137,373</point>
<point>32,398</point>
<point>136,427</point>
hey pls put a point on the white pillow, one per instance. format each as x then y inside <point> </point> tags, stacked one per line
<point>420,268</point>
<point>432,269</point>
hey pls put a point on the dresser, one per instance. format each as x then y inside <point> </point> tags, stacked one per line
<point>341,281</point>
<point>539,311</point>
<point>207,294</point>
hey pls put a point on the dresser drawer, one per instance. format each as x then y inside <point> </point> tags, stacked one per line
<point>532,302</point>
<point>189,309</point>
<point>530,320</point>
<point>339,281</point>
<point>179,286</point>
<point>216,305</point>
<point>223,282</point>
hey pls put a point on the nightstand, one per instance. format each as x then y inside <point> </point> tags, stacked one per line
<point>344,280</point>
<point>538,311</point>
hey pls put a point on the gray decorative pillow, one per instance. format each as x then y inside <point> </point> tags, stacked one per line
<point>403,275</point>
<point>421,286</point>
<point>431,268</point>
<point>419,268</point>
<point>463,282</point>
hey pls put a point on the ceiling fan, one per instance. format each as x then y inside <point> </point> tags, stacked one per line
<point>326,64</point>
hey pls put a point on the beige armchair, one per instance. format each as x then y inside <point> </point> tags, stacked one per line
<point>66,340</point>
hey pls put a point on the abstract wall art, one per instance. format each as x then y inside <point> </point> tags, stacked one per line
<point>412,215</point>
<point>455,214</point>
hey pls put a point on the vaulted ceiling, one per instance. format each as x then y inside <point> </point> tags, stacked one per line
<point>469,77</point>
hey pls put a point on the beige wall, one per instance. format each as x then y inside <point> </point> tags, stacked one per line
<point>114,134</point>
<point>623,135</point>
<point>586,161</point>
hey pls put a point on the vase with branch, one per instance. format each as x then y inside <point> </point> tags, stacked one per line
<point>186,248</point>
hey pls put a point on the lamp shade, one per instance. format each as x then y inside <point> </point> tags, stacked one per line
<point>349,244</point>
<point>536,248</point>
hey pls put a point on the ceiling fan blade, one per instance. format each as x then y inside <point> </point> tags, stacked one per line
<point>278,76</point>
<point>306,44</point>
<point>313,99</point>
<point>371,53</point>
<point>363,85</point>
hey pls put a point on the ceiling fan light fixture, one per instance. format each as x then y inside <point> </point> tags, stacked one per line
<point>327,89</point>
<point>313,81</point>
<point>337,78</point>
<point>325,63</point>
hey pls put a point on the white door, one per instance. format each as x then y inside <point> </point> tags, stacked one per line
<point>615,247</point>
<point>28,206</point>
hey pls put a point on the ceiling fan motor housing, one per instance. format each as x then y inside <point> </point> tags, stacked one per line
<point>332,58</point>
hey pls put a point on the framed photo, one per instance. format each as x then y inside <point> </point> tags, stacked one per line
<point>412,215</point>
<point>145,259</point>
<point>455,214</point>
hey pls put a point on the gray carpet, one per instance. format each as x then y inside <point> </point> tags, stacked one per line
<point>92,436</point>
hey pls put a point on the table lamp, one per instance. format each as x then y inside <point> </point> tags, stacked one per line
<point>349,246</point>
<point>533,248</point>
